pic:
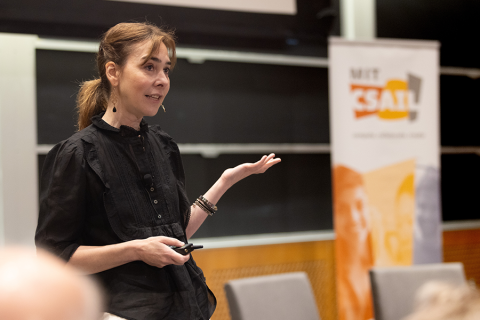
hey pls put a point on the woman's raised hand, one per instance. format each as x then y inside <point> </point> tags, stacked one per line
<point>156,252</point>
<point>233,175</point>
<point>228,179</point>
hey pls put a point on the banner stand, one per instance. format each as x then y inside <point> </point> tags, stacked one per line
<point>384,116</point>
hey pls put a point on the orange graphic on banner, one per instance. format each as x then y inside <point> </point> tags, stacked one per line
<point>374,215</point>
<point>389,102</point>
<point>391,196</point>
<point>366,99</point>
<point>352,245</point>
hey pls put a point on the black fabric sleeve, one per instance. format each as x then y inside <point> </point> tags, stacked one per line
<point>62,201</point>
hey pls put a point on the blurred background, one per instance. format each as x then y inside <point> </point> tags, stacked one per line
<point>248,83</point>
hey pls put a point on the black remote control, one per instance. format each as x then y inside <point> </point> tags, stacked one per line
<point>186,249</point>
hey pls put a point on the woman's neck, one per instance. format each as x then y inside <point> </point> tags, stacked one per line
<point>119,118</point>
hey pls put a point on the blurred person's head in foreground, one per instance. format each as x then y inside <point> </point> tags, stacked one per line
<point>443,301</point>
<point>41,287</point>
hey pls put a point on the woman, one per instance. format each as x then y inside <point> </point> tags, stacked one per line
<point>113,195</point>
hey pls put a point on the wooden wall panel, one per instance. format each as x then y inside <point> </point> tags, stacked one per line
<point>464,246</point>
<point>315,258</point>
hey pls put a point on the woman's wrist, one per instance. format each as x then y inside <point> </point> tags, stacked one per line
<point>219,188</point>
<point>134,249</point>
<point>227,180</point>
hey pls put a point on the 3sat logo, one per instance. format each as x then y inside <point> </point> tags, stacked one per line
<point>395,99</point>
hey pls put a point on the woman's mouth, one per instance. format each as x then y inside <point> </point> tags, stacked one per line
<point>153,96</point>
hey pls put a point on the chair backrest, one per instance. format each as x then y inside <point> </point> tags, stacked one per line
<point>394,288</point>
<point>282,296</point>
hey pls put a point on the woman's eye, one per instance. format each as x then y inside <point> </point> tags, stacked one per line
<point>167,71</point>
<point>149,67</point>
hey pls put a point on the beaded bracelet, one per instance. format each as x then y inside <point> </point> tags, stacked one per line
<point>199,204</point>
<point>208,203</point>
<point>205,205</point>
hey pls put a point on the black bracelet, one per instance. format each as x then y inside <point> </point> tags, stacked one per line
<point>206,207</point>
<point>203,207</point>
<point>208,203</point>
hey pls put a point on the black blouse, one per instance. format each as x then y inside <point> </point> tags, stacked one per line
<point>106,185</point>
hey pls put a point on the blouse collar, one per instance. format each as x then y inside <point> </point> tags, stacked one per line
<point>125,131</point>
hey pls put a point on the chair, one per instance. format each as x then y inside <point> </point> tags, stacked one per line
<point>282,296</point>
<point>394,288</point>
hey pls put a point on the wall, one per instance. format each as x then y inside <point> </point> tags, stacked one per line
<point>18,159</point>
<point>316,258</point>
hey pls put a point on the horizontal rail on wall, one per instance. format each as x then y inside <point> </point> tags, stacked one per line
<point>461,150</point>
<point>211,150</point>
<point>67,45</point>
<point>461,225</point>
<point>264,239</point>
<point>291,237</point>
<point>196,55</point>
<point>201,55</point>
<point>457,71</point>
<point>214,150</point>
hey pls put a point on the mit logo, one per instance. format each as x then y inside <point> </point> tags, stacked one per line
<point>398,99</point>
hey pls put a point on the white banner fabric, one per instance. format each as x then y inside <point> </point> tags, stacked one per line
<point>384,117</point>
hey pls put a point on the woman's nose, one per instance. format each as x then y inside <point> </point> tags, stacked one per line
<point>162,79</point>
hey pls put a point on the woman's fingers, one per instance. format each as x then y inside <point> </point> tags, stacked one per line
<point>266,162</point>
<point>261,161</point>
<point>179,259</point>
<point>175,257</point>
<point>233,175</point>
<point>171,241</point>
<point>156,252</point>
<point>271,160</point>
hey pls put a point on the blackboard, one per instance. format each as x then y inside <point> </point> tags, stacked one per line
<point>213,102</point>
<point>224,102</point>
<point>293,196</point>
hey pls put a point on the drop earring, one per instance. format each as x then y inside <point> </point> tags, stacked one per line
<point>163,107</point>
<point>114,100</point>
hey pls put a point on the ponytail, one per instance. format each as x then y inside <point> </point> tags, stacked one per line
<point>91,100</point>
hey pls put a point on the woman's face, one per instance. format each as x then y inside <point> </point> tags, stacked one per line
<point>143,85</point>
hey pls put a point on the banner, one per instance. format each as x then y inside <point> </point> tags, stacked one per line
<point>384,117</point>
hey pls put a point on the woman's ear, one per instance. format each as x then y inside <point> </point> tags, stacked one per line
<point>112,71</point>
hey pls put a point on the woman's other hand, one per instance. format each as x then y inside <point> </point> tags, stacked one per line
<point>233,175</point>
<point>156,252</point>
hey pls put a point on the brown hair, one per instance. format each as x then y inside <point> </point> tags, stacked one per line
<point>115,46</point>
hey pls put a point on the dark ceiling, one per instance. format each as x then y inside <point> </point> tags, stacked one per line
<point>453,23</point>
<point>304,33</point>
